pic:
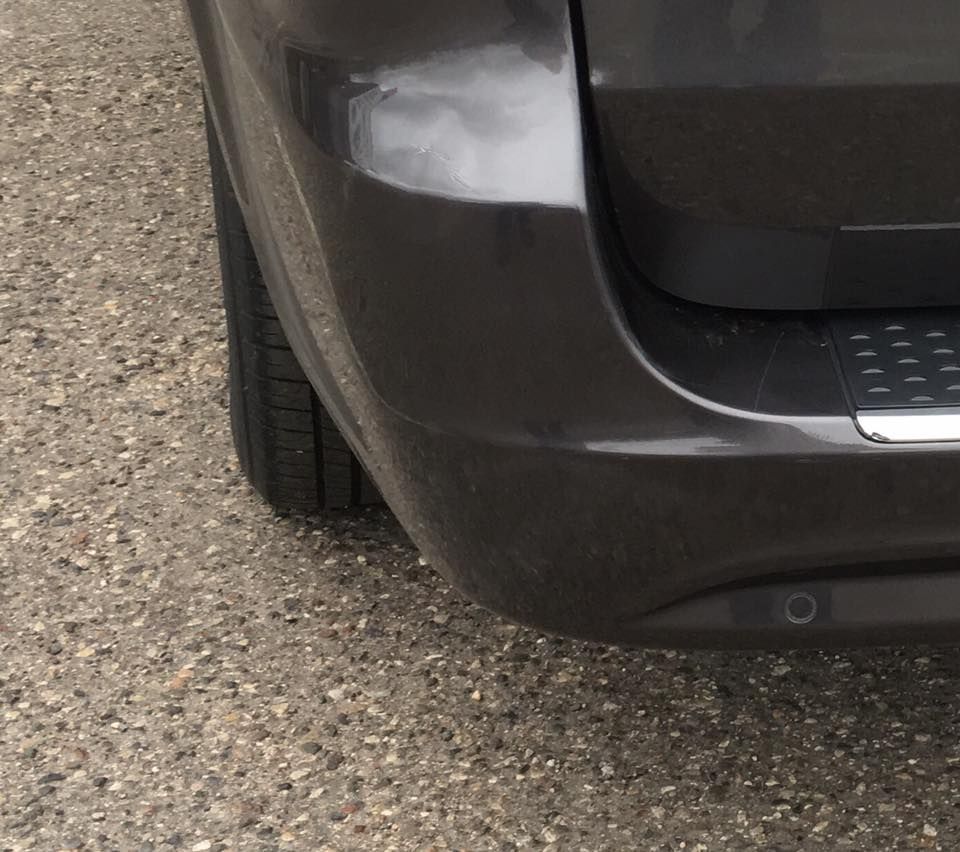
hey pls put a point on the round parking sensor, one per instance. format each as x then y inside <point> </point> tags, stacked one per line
<point>800,608</point>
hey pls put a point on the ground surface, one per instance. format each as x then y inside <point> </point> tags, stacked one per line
<point>181,669</point>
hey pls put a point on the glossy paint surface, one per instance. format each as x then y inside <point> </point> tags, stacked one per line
<point>784,112</point>
<point>457,312</point>
<point>774,127</point>
<point>763,43</point>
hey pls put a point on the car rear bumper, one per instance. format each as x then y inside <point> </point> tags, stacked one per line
<point>459,315</point>
<point>691,541</point>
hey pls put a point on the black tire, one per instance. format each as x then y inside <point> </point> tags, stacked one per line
<point>288,445</point>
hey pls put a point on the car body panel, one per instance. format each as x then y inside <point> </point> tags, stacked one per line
<point>783,153</point>
<point>468,337</point>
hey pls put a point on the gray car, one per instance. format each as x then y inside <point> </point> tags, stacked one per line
<point>639,314</point>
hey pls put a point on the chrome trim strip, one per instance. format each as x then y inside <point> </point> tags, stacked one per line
<point>910,425</point>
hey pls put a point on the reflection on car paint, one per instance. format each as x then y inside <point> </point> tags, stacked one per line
<point>495,122</point>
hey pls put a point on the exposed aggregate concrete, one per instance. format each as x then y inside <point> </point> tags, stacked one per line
<point>181,669</point>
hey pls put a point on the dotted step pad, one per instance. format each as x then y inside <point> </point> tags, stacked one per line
<point>900,360</point>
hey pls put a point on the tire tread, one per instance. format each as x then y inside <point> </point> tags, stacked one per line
<point>288,445</point>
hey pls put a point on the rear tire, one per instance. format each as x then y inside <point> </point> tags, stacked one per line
<point>288,445</point>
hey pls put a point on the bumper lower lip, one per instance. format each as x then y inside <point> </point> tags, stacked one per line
<point>881,609</point>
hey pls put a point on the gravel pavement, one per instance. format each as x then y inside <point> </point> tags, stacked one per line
<point>181,669</point>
